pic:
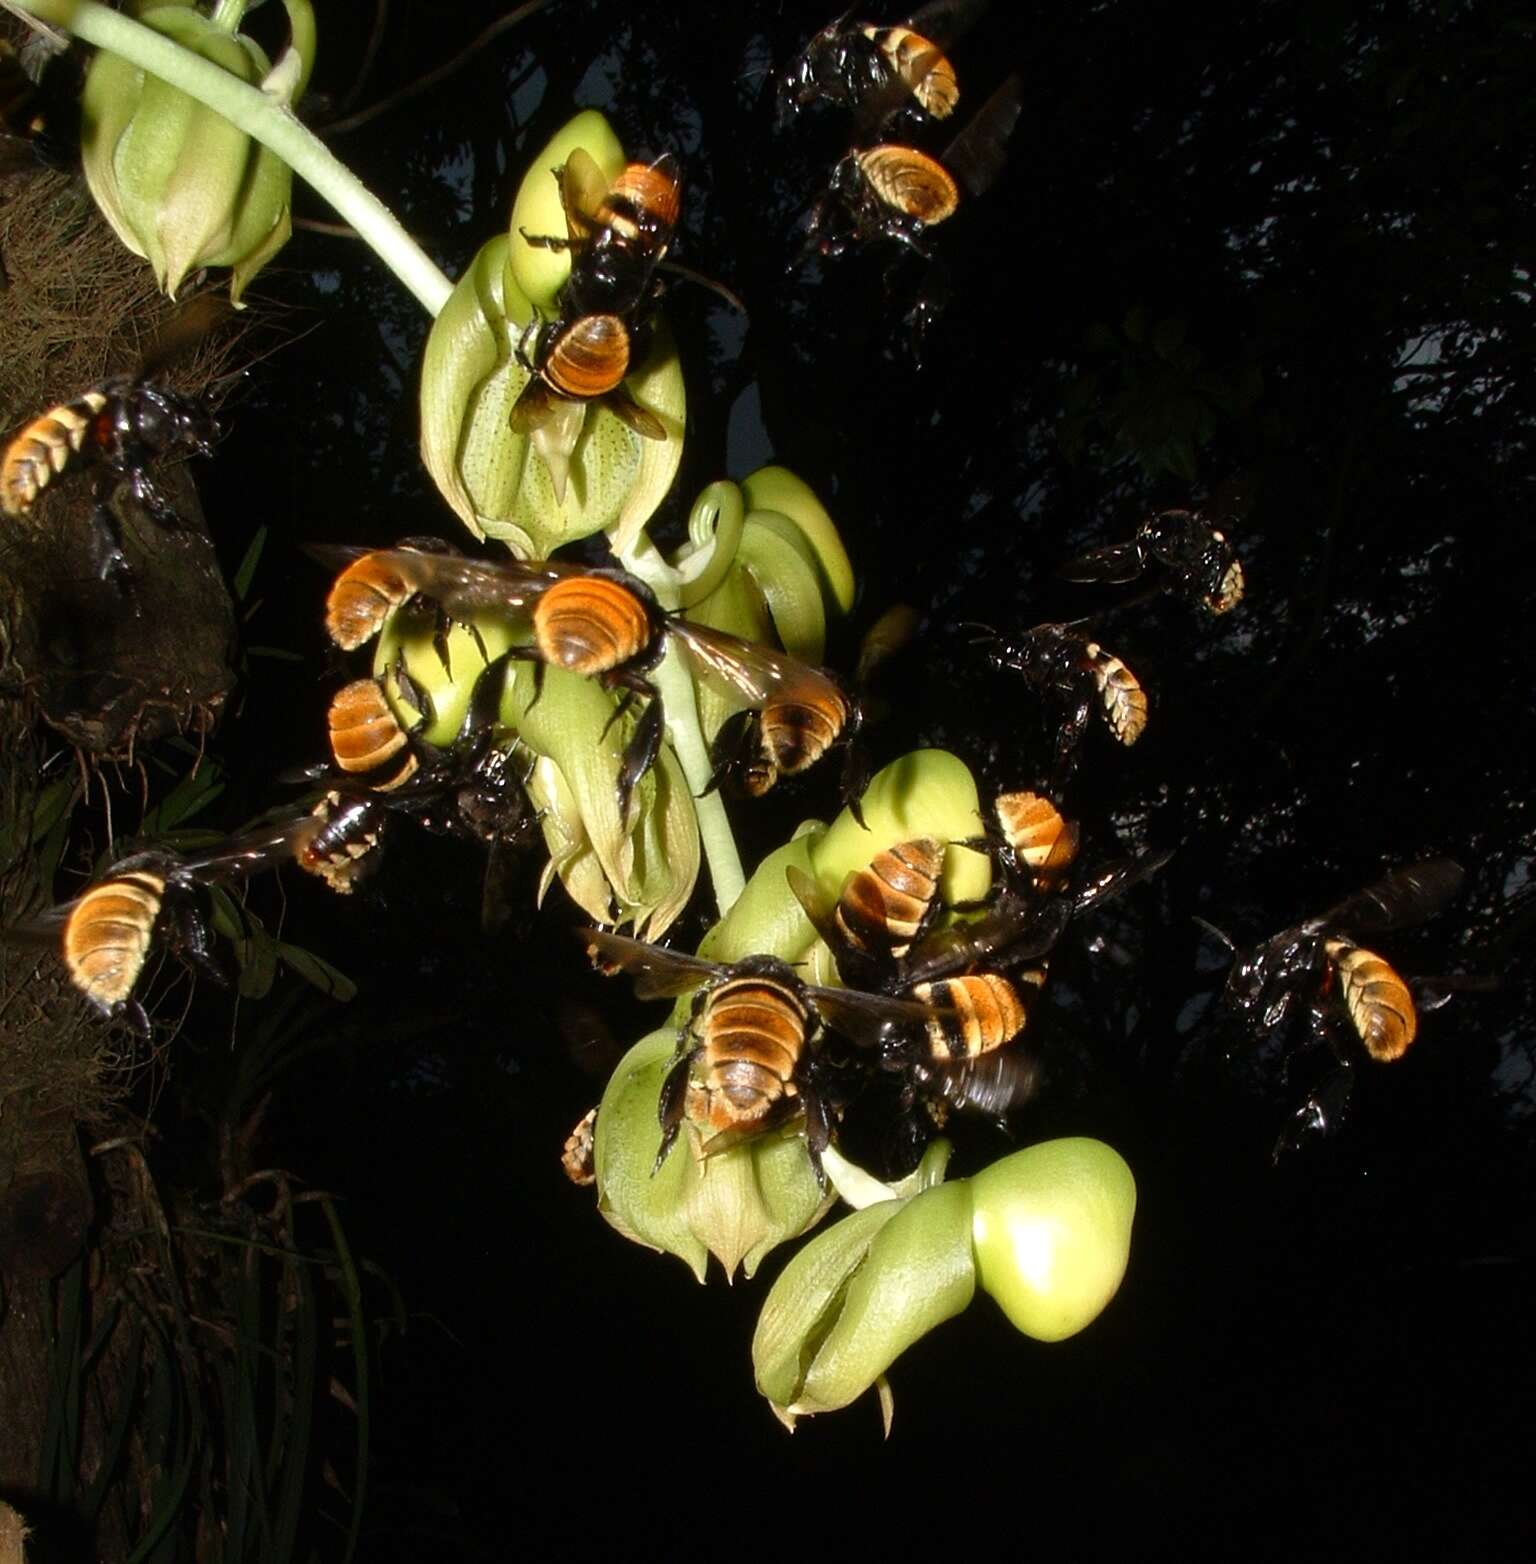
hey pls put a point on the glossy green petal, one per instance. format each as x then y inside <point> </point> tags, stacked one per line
<point>778,489</point>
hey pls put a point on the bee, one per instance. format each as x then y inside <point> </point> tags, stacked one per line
<point>1201,564</point>
<point>585,359</point>
<point>106,935</point>
<point>880,71</point>
<point>748,1056</point>
<point>1077,674</point>
<point>898,192</point>
<point>1357,1004</point>
<point>880,912</point>
<point>972,1062</point>
<point>606,624</point>
<point>38,108</point>
<point>1034,844</point>
<point>578,1158</point>
<point>116,430</point>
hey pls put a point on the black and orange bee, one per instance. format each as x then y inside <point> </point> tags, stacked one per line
<point>880,71</point>
<point>1077,675</point>
<point>618,235</point>
<point>106,935</point>
<point>1200,564</point>
<point>1356,1002</point>
<point>898,192</point>
<point>606,624</point>
<point>749,1057</point>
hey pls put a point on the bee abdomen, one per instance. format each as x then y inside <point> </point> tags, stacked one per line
<point>753,1033</point>
<point>797,733</point>
<point>990,1011</point>
<point>578,1159</point>
<point>1380,1007</point>
<point>41,451</point>
<point>936,90</point>
<point>589,358</point>
<point>643,194</point>
<point>886,906</point>
<point>347,831</point>
<point>107,938</point>
<point>362,597</point>
<point>590,624</point>
<point>1031,825</point>
<point>366,734</point>
<point>1120,692</point>
<point>910,182</point>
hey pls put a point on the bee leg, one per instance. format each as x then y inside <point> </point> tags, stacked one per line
<point>484,707</point>
<point>133,1014</point>
<point>1321,1114</point>
<point>190,938</point>
<point>818,1130</point>
<point>440,641</point>
<point>416,696</point>
<point>545,241</point>
<point>669,1106</point>
<point>154,500</point>
<point>107,556</point>
<point>530,654</point>
<point>640,753</point>
<point>856,769</point>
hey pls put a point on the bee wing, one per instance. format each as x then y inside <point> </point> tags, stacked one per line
<point>462,585</point>
<point>992,1083</point>
<point>641,419</point>
<point>753,673</point>
<point>869,1020</point>
<point>659,973</point>
<point>1014,930</point>
<point>247,852</point>
<point>583,189</point>
<point>976,156</point>
<point>180,335</point>
<point>536,404</point>
<point>1117,562</point>
<point>1118,876</point>
<point>808,894</point>
<point>1407,895</point>
<point>43,930</point>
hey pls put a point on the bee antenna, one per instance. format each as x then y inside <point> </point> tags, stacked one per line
<point>987,632</point>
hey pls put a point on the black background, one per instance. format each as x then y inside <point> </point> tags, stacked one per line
<point>1330,1356</point>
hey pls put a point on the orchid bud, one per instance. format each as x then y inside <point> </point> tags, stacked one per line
<point>181,185</point>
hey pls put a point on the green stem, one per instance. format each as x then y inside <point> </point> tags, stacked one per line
<point>271,124</point>
<point>229,14</point>
<point>680,704</point>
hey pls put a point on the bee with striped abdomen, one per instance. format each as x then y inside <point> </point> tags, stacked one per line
<point>1076,674</point>
<point>1356,1002</point>
<point>749,1056</point>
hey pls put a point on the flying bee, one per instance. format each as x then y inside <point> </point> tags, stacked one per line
<point>606,624</point>
<point>748,1056</point>
<point>1201,564</point>
<point>116,430</point>
<point>880,71</point>
<point>106,934</point>
<point>898,192</point>
<point>1077,675</point>
<point>1357,1004</point>
<point>1033,842</point>
<point>973,1061</point>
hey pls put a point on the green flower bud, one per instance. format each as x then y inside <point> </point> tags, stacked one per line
<point>735,1204</point>
<point>583,470</point>
<point>927,793</point>
<point>1052,1228</point>
<point>640,871</point>
<point>858,1295</point>
<point>179,183</point>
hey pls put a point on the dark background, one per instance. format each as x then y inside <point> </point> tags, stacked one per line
<point>1272,259</point>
